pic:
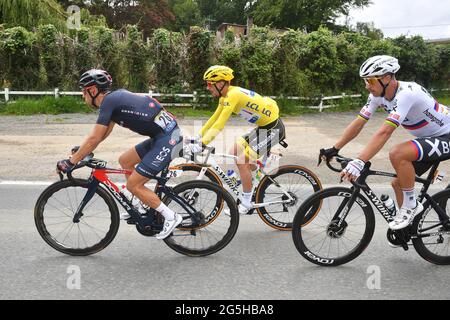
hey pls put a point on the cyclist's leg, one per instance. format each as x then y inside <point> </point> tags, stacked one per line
<point>163,150</point>
<point>402,157</point>
<point>243,162</point>
<point>130,158</point>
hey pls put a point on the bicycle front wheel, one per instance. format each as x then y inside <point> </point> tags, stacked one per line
<point>215,221</point>
<point>284,190</point>
<point>54,218</point>
<point>328,240</point>
<point>431,234</point>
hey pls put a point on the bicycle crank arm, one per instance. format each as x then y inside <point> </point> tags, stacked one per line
<point>265,204</point>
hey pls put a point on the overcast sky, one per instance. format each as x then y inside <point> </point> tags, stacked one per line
<point>428,18</point>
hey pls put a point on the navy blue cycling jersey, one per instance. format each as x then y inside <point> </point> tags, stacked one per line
<point>139,113</point>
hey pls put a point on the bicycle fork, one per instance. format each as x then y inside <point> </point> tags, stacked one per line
<point>93,185</point>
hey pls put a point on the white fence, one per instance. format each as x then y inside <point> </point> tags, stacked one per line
<point>193,97</point>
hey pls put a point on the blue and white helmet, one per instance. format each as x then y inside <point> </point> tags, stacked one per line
<point>377,66</point>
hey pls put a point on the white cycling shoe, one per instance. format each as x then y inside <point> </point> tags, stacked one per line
<point>169,226</point>
<point>241,208</point>
<point>405,216</point>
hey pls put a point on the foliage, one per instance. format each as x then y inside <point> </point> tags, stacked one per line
<point>198,55</point>
<point>166,52</point>
<point>27,14</point>
<point>271,63</point>
<point>49,44</point>
<point>20,58</point>
<point>46,105</point>
<point>303,14</point>
<point>137,65</point>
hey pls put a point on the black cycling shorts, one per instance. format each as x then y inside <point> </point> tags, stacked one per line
<point>430,150</point>
<point>261,139</point>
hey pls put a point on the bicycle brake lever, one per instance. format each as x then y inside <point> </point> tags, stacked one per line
<point>61,176</point>
<point>320,160</point>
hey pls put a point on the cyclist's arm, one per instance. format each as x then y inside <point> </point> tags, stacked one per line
<point>211,120</point>
<point>377,141</point>
<point>217,126</point>
<point>352,131</point>
<point>98,134</point>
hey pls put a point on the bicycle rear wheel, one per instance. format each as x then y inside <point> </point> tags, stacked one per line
<point>54,212</point>
<point>298,182</point>
<point>326,240</point>
<point>214,230</point>
<point>431,237</point>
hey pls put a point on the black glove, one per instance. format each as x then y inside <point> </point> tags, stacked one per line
<point>75,149</point>
<point>64,165</point>
<point>329,153</point>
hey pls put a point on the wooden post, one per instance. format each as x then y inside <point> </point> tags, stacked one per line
<point>194,99</point>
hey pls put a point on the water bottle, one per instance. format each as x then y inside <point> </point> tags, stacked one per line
<point>389,203</point>
<point>233,176</point>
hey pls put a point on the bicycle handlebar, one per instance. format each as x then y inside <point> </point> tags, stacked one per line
<point>343,161</point>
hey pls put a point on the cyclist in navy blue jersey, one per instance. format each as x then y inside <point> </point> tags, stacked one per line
<point>143,115</point>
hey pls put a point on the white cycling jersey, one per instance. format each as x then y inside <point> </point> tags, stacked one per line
<point>413,108</point>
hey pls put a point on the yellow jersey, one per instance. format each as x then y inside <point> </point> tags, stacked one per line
<point>247,104</point>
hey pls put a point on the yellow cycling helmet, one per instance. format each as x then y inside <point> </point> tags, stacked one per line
<point>218,73</point>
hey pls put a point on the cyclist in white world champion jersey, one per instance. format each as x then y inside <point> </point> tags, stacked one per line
<point>411,106</point>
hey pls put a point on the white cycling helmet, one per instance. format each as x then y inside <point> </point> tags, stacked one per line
<point>378,66</point>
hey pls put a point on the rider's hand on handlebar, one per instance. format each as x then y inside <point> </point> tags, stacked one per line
<point>64,166</point>
<point>353,170</point>
<point>327,154</point>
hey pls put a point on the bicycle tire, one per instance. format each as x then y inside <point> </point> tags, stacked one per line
<point>303,235</point>
<point>44,209</point>
<point>423,245</point>
<point>283,221</point>
<point>187,239</point>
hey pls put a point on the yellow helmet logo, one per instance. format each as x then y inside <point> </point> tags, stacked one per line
<point>218,73</point>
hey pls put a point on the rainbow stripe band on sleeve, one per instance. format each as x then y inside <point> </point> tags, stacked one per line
<point>392,122</point>
<point>362,117</point>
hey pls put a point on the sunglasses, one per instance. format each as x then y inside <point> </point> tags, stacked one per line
<point>371,81</point>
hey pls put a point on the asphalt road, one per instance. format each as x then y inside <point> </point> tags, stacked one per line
<point>259,263</point>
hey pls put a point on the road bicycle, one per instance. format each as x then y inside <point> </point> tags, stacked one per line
<point>80,216</point>
<point>343,227</point>
<point>278,193</point>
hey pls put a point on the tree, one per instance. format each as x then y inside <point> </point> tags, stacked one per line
<point>27,14</point>
<point>216,12</point>
<point>147,15</point>
<point>302,14</point>
<point>187,14</point>
<point>368,29</point>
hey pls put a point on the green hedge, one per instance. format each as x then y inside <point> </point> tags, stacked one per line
<point>271,63</point>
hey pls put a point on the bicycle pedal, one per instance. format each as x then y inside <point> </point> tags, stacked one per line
<point>130,221</point>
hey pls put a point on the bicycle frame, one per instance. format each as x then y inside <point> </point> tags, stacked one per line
<point>100,176</point>
<point>360,184</point>
<point>210,162</point>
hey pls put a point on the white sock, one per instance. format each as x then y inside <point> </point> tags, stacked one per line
<point>247,198</point>
<point>167,213</point>
<point>409,198</point>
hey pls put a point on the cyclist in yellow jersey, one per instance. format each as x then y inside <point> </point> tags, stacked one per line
<point>262,111</point>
